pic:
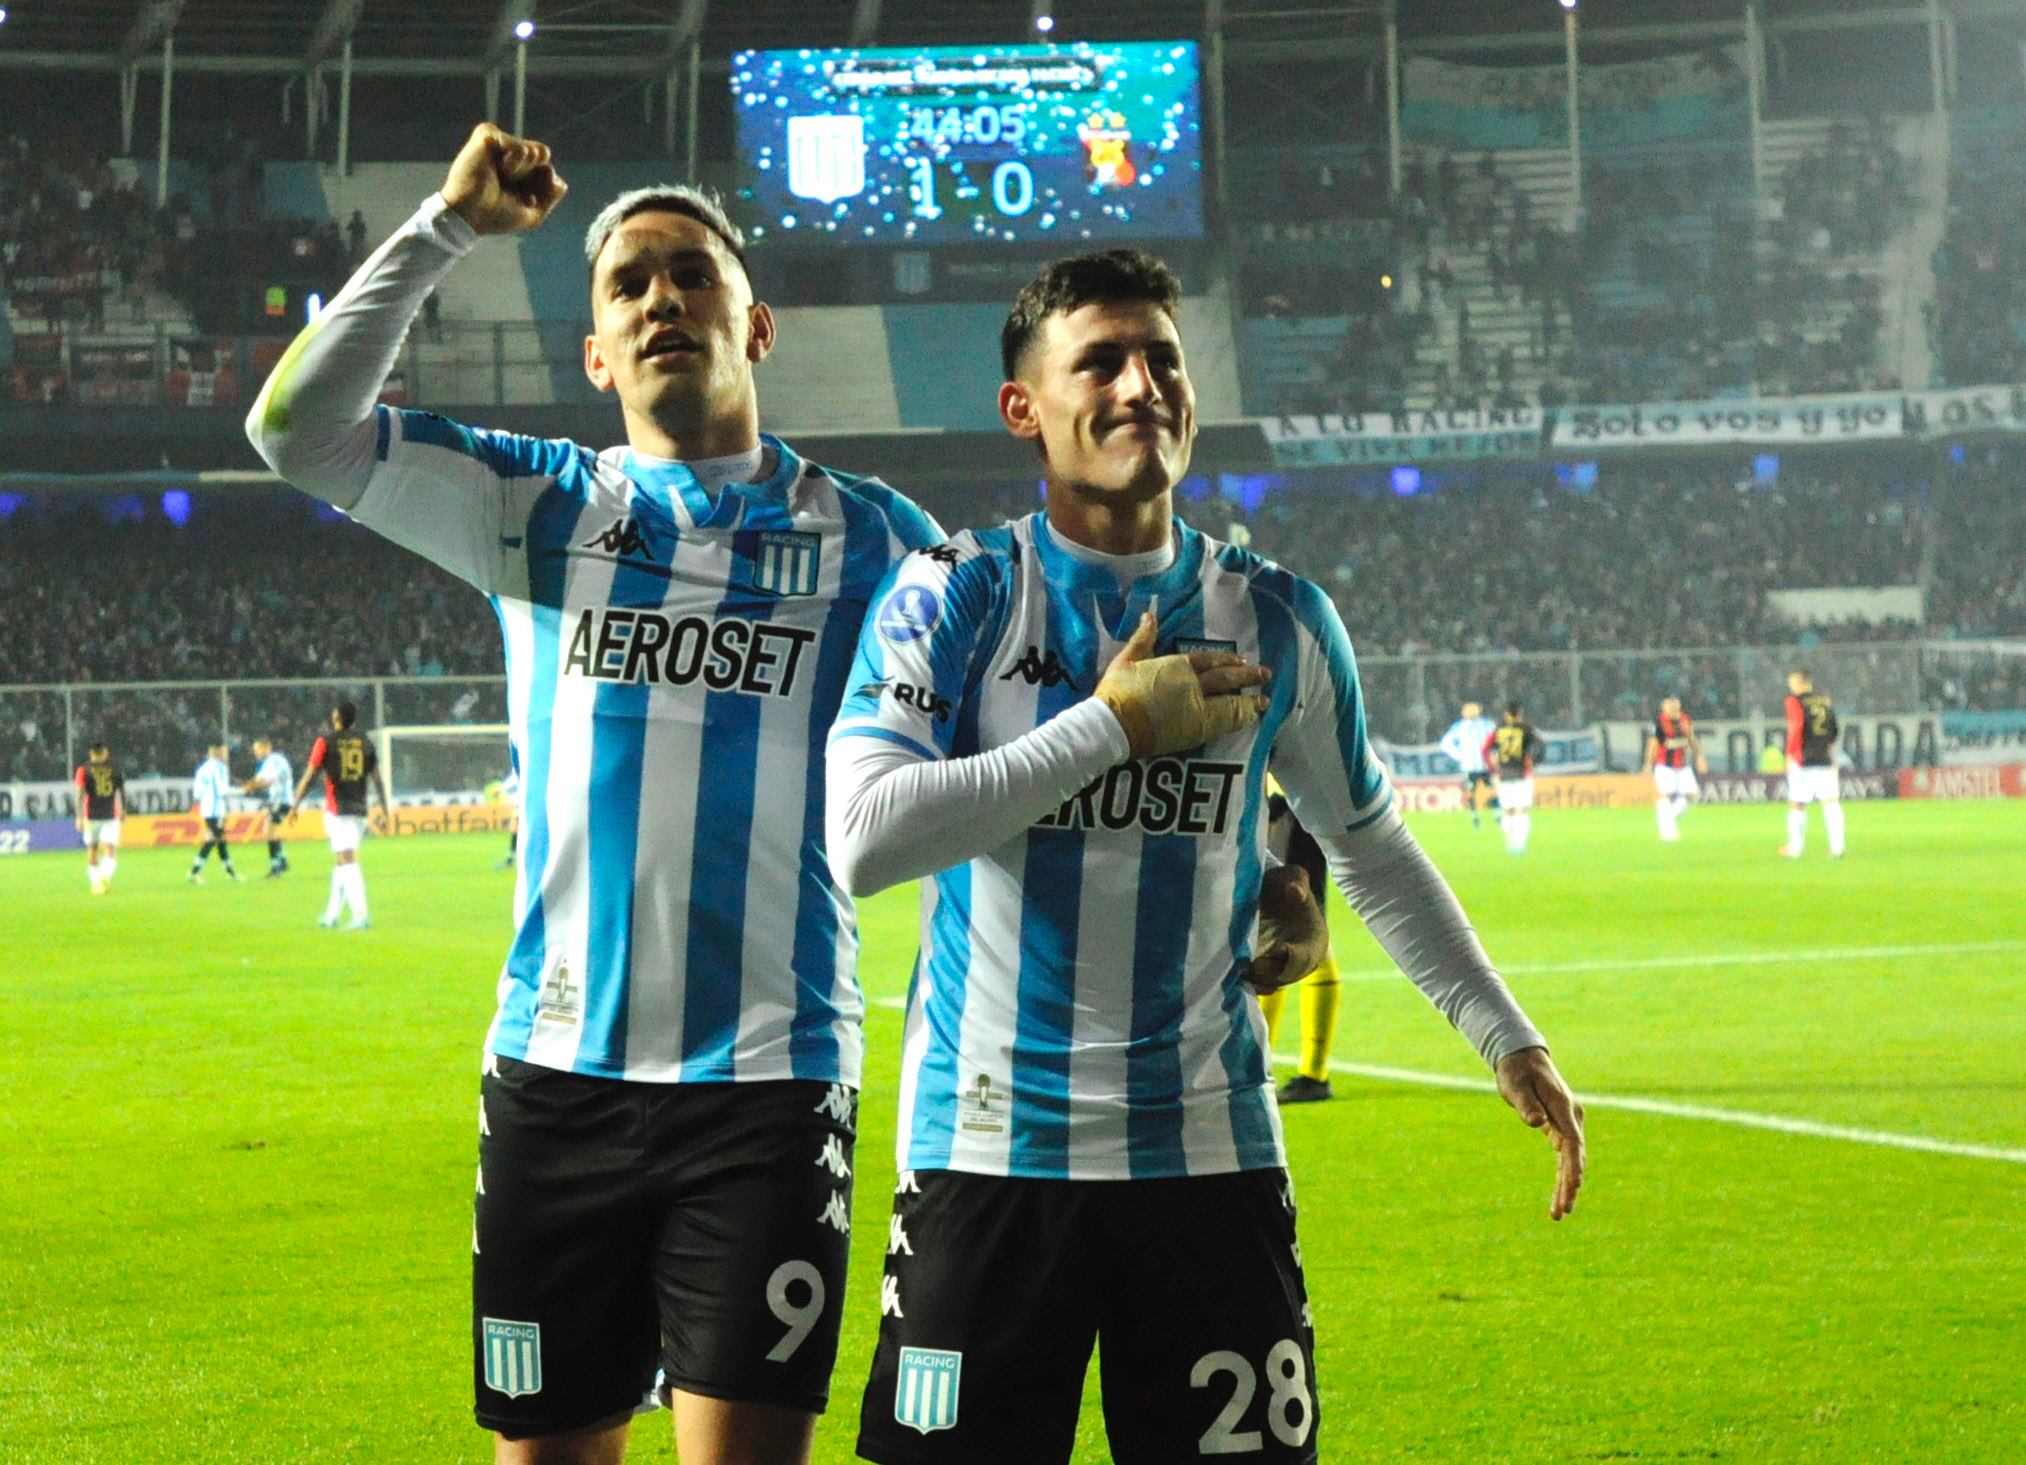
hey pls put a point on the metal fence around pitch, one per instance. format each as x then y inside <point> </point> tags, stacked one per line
<point>163,727</point>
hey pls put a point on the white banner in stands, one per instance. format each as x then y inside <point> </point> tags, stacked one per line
<point>1802,420</point>
<point>1965,410</point>
<point>1571,750</point>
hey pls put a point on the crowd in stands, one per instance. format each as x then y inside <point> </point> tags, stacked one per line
<point>1982,540</point>
<point>1645,559</point>
<point>75,242</point>
<point>255,586</point>
<point>83,248</point>
<point>1819,319</point>
<point>1977,320</point>
<point>1674,288</point>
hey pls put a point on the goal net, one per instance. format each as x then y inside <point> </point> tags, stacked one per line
<point>444,760</point>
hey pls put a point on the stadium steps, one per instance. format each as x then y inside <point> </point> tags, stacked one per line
<point>1911,269</point>
<point>1498,318</point>
<point>487,288</point>
<point>1792,145</point>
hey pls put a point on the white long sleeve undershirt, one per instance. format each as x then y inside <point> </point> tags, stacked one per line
<point>323,438</point>
<point>894,815</point>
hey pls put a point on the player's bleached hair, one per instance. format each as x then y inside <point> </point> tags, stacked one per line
<point>692,202</point>
<point>1128,276</point>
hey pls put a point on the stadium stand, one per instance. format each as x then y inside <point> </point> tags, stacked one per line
<point>264,584</point>
<point>1978,315</point>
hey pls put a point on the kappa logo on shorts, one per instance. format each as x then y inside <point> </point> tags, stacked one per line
<point>835,1215</point>
<point>925,1396</point>
<point>832,1158</point>
<point>513,1357</point>
<point>839,1102</point>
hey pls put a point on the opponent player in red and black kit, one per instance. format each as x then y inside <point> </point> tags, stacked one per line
<point>1674,757</point>
<point>101,804</point>
<point>1812,730</point>
<point>1511,750</point>
<point>347,760</point>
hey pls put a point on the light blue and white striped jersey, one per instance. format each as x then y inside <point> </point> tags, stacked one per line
<point>211,789</point>
<point>280,779</point>
<point>1464,742</point>
<point>1077,1009</point>
<point>674,662</point>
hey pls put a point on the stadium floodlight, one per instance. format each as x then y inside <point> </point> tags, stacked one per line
<point>1568,4</point>
<point>3,15</point>
<point>1044,23</point>
<point>524,30</point>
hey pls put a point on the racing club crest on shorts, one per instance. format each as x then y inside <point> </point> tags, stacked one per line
<point>925,1398</point>
<point>513,1357</point>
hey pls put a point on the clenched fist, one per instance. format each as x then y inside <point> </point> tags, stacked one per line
<point>502,184</point>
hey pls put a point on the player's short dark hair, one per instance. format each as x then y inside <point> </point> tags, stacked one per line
<point>1514,709</point>
<point>347,712</point>
<point>1108,275</point>
<point>692,202</point>
<point>98,747</point>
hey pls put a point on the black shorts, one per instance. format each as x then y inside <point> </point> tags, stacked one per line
<point>996,1288</point>
<point>698,1228</point>
<point>276,813</point>
<point>1474,780</point>
<point>217,828</point>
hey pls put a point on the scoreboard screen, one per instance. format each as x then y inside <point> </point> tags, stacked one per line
<point>971,145</point>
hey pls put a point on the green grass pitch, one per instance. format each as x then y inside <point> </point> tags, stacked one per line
<point>236,1173</point>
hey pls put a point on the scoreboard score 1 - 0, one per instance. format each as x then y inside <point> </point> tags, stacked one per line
<point>971,145</point>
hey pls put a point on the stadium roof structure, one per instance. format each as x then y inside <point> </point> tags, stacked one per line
<point>632,37</point>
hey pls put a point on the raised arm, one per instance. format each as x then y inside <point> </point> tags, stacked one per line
<point>313,421</point>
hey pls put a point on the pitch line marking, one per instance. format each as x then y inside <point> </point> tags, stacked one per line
<point>1668,1108</point>
<point>1718,959</point>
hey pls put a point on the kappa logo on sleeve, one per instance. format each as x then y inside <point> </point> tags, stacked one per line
<point>909,614</point>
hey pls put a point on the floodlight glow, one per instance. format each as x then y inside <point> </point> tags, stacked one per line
<point>524,31</point>
<point>314,306</point>
<point>1568,4</point>
<point>3,15</point>
<point>1044,23</point>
